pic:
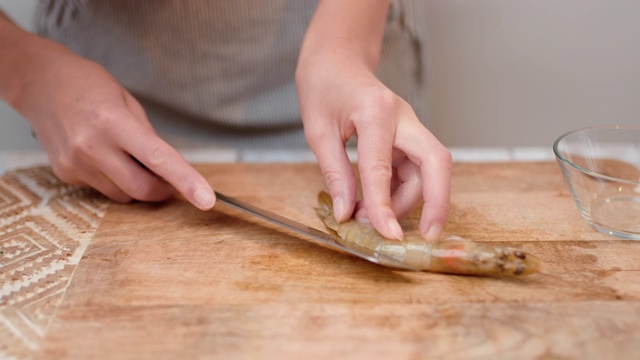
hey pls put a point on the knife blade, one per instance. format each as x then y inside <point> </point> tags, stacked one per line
<point>315,234</point>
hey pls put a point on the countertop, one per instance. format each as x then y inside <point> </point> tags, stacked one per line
<point>87,278</point>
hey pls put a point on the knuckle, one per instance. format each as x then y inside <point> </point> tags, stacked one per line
<point>66,168</point>
<point>332,177</point>
<point>379,168</point>
<point>376,101</point>
<point>159,155</point>
<point>313,134</point>
<point>316,127</point>
<point>65,173</point>
<point>381,97</point>
<point>80,147</point>
<point>103,118</point>
<point>442,155</point>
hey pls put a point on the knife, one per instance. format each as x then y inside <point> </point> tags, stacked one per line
<point>317,235</point>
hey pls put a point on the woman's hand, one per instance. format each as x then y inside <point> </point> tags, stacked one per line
<point>400,162</point>
<point>94,132</point>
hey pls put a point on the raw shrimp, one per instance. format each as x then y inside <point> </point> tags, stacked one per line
<point>444,256</point>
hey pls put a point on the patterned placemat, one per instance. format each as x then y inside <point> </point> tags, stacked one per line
<point>45,227</point>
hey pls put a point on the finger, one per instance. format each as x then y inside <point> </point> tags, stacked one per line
<point>336,169</point>
<point>406,188</point>
<point>408,194</point>
<point>135,180</point>
<point>434,161</point>
<point>83,173</point>
<point>437,190</point>
<point>100,182</point>
<point>374,163</point>
<point>167,163</point>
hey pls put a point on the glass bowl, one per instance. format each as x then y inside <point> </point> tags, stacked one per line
<point>601,165</point>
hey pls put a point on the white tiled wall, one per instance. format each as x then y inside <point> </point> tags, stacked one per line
<point>23,158</point>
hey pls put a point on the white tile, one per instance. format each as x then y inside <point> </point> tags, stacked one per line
<point>287,155</point>
<point>14,159</point>
<point>277,155</point>
<point>210,155</point>
<point>532,154</point>
<point>480,154</point>
<point>352,153</point>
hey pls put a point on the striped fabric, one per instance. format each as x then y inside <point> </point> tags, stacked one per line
<point>221,72</point>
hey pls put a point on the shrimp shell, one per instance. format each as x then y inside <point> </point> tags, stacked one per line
<point>463,257</point>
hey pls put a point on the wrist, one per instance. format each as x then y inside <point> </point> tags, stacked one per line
<point>346,31</point>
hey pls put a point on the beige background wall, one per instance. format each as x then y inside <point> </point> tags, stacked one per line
<point>521,72</point>
<point>503,72</point>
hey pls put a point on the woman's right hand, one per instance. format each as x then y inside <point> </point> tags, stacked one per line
<point>94,131</point>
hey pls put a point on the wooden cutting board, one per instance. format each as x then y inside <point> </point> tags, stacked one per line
<point>169,281</point>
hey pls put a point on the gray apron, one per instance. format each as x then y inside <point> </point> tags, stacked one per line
<point>222,72</point>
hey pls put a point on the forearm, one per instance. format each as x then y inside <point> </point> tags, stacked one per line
<point>20,55</point>
<point>12,42</point>
<point>349,29</point>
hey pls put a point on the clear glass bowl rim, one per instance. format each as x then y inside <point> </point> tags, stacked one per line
<point>586,171</point>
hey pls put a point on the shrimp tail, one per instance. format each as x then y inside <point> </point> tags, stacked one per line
<point>472,258</point>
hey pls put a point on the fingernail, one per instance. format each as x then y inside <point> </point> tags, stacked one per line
<point>433,234</point>
<point>204,199</point>
<point>338,208</point>
<point>395,229</point>
<point>363,220</point>
<point>362,216</point>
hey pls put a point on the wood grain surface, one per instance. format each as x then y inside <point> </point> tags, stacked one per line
<point>168,281</point>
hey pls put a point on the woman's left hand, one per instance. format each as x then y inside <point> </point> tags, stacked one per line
<point>400,162</point>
